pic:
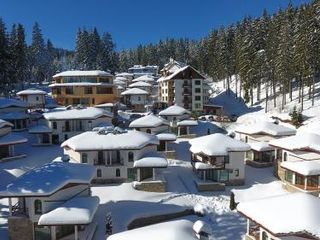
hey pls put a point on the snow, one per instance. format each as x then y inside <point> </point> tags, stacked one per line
<point>47,179</point>
<point>172,230</point>
<point>266,128</point>
<point>12,138</point>
<point>40,129</point>
<point>134,91</point>
<point>166,137</point>
<point>154,160</point>
<point>76,211</point>
<point>174,110</point>
<point>187,123</point>
<point>120,78</point>
<point>140,84</point>
<point>76,73</point>
<point>9,102</point>
<point>217,144</point>
<point>5,124</point>
<point>94,141</point>
<point>148,121</point>
<point>177,72</point>
<point>202,166</point>
<point>305,168</point>
<point>201,227</point>
<point>144,78</point>
<point>89,84</point>
<point>260,146</point>
<point>105,105</point>
<point>14,115</point>
<point>285,214</point>
<point>259,191</point>
<point>31,91</point>
<point>301,141</point>
<point>77,113</point>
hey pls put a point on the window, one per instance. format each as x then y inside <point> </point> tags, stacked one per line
<point>104,90</point>
<point>264,236</point>
<point>37,207</point>
<point>197,82</point>
<point>117,172</point>
<point>69,90</point>
<point>197,98</point>
<point>88,90</point>
<point>139,98</point>
<point>84,158</point>
<point>99,173</point>
<point>227,159</point>
<point>236,172</point>
<point>130,157</point>
<point>58,90</point>
<point>93,101</point>
<point>285,156</point>
<point>198,90</point>
<point>54,125</point>
<point>288,176</point>
<point>37,98</point>
<point>148,131</point>
<point>246,139</point>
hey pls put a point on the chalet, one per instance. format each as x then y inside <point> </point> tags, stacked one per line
<point>298,162</point>
<point>258,135</point>
<point>174,114</point>
<point>219,158</point>
<point>52,202</point>
<point>279,218</point>
<point>135,98</point>
<point>150,124</point>
<point>69,122</point>
<point>8,140</point>
<point>15,111</point>
<point>117,154</point>
<point>35,98</point>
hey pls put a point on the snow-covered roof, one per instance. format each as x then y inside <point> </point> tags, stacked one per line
<point>178,71</point>
<point>166,137</point>
<point>188,122</point>
<point>97,141</point>
<point>171,230</point>
<point>151,159</point>
<point>268,128</point>
<point>260,146</point>
<point>134,91</point>
<point>174,110</point>
<point>75,73</point>
<point>148,121</point>
<point>119,82</point>
<point>40,129</point>
<point>9,102</point>
<point>140,84</point>
<point>120,78</point>
<point>104,105</point>
<point>259,191</point>
<point>301,141</point>
<point>12,138</point>
<point>202,166</point>
<point>306,168</point>
<point>78,113</point>
<point>124,74</point>
<point>144,78</point>
<point>89,84</point>
<point>49,178</point>
<point>31,91</point>
<point>217,144</point>
<point>76,211</point>
<point>286,214</point>
<point>202,227</point>
<point>4,123</point>
<point>14,115</point>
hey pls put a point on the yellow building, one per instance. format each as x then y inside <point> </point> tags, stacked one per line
<point>83,87</point>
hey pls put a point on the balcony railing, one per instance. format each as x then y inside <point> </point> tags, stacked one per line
<point>105,162</point>
<point>18,210</point>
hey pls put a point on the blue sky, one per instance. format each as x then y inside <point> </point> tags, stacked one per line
<point>131,22</point>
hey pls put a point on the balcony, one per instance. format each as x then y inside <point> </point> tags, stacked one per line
<point>19,211</point>
<point>106,162</point>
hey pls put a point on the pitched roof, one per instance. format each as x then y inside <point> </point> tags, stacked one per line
<point>140,84</point>
<point>75,73</point>
<point>144,78</point>
<point>174,110</point>
<point>305,168</point>
<point>148,121</point>
<point>267,128</point>
<point>4,123</point>
<point>10,102</point>
<point>134,91</point>
<point>77,113</point>
<point>31,91</point>
<point>186,72</point>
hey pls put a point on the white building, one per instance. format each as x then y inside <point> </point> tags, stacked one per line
<point>174,114</point>
<point>118,155</point>
<point>219,158</point>
<point>135,98</point>
<point>288,216</point>
<point>8,140</point>
<point>150,124</point>
<point>52,202</point>
<point>35,98</point>
<point>67,123</point>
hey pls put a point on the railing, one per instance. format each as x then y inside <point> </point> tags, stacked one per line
<point>105,162</point>
<point>18,210</point>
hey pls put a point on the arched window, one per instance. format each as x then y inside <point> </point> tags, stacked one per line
<point>285,156</point>
<point>130,157</point>
<point>99,173</point>
<point>37,206</point>
<point>264,236</point>
<point>117,172</point>
<point>148,131</point>
<point>84,157</point>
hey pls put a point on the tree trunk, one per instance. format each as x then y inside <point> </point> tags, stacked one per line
<point>313,86</point>
<point>236,85</point>
<point>258,90</point>
<point>290,90</point>
<point>266,107</point>
<point>274,92</point>
<point>302,94</point>
<point>240,90</point>
<point>251,95</point>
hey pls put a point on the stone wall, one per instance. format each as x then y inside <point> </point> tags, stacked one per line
<point>259,164</point>
<point>20,228</point>
<point>207,186</point>
<point>235,182</point>
<point>150,186</point>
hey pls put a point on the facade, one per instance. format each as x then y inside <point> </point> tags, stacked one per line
<point>67,123</point>
<point>258,135</point>
<point>135,98</point>
<point>35,98</point>
<point>15,112</point>
<point>7,142</point>
<point>83,87</point>
<point>52,202</point>
<point>140,70</point>
<point>297,162</point>
<point>182,86</point>
<point>150,124</point>
<point>219,158</point>
<point>42,133</point>
<point>118,155</point>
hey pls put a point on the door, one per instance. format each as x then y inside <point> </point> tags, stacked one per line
<point>132,174</point>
